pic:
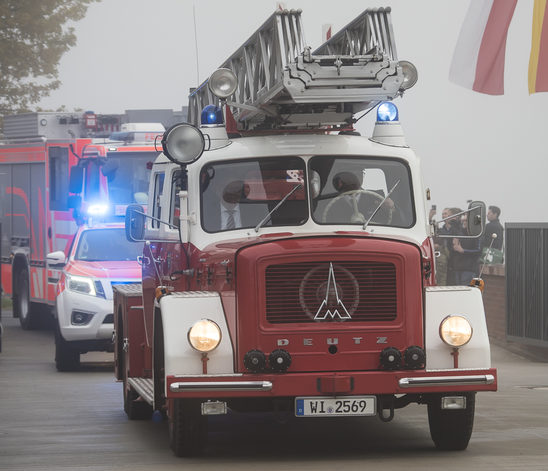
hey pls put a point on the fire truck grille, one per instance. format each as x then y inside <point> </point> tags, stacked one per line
<point>347,291</point>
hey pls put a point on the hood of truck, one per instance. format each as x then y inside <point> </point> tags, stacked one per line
<point>332,303</point>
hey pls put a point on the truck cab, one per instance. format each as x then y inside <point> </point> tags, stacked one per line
<point>302,270</point>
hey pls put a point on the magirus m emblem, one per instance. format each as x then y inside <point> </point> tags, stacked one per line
<point>332,305</point>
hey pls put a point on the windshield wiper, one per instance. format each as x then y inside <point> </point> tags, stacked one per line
<point>379,206</point>
<point>267,217</point>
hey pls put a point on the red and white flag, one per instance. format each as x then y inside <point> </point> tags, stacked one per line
<point>478,61</point>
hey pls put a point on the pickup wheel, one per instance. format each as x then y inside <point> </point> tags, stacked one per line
<point>451,429</point>
<point>67,358</point>
<point>187,427</point>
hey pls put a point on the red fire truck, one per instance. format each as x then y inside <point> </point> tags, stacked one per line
<point>288,261</point>
<point>58,170</point>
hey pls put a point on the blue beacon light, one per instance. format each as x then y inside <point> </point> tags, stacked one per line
<point>212,114</point>
<point>387,111</point>
<point>97,209</point>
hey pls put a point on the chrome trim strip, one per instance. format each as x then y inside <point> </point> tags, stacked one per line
<point>221,386</point>
<point>446,381</point>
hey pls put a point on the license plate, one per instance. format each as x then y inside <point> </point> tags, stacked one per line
<point>335,406</point>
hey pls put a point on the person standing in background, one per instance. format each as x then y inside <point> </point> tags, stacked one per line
<point>493,227</point>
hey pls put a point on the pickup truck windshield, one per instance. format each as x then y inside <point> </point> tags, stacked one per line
<point>240,194</point>
<point>101,245</point>
<point>348,190</point>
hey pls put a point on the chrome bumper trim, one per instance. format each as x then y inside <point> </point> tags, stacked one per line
<point>446,381</point>
<point>221,386</point>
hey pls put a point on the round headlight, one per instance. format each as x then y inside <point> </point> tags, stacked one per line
<point>223,83</point>
<point>455,331</point>
<point>183,143</point>
<point>204,336</point>
<point>410,74</point>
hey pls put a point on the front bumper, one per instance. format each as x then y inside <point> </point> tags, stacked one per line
<point>98,308</point>
<point>347,383</point>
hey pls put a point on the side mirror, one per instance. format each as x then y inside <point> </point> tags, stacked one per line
<point>135,223</point>
<point>76,182</point>
<point>476,218</point>
<point>56,259</point>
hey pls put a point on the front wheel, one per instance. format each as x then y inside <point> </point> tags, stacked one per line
<point>67,358</point>
<point>187,427</point>
<point>451,429</point>
<point>135,407</point>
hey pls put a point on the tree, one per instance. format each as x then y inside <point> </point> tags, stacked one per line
<point>34,38</point>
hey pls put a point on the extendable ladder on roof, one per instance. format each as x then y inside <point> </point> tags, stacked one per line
<point>282,83</point>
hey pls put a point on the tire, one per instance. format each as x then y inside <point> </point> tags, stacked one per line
<point>67,358</point>
<point>187,427</point>
<point>22,305</point>
<point>134,408</point>
<point>451,429</point>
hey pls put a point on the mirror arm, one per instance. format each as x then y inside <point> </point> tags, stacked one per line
<point>455,215</point>
<point>155,219</point>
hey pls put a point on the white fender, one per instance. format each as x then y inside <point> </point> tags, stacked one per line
<point>443,301</point>
<point>179,313</point>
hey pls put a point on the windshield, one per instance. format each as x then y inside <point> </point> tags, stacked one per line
<point>351,190</point>
<point>128,176</point>
<point>100,245</point>
<point>241,194</point>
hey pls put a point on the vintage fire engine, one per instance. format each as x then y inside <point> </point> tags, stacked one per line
<point>288,261</point>
<point>58,170</point>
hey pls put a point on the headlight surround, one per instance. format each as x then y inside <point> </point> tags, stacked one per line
<point>204,336</point>
<point>81,284</point>
<point>456,331</point>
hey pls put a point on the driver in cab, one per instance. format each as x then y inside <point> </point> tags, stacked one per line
<point>355,205</point>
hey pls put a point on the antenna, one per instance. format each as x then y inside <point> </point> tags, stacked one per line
<point>196,44</point>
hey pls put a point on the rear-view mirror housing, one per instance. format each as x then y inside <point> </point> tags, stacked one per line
<point>135,223</point>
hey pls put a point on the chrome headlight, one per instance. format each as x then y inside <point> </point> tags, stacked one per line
<point>85,285</point>
<point>81,284</point>
<point>183,143</point>
<point>223,83</point>
<point>204,336</point>
<point>455,331</point>
<point>410,74</point>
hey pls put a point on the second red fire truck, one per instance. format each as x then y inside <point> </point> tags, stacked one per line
<point>57,171</point>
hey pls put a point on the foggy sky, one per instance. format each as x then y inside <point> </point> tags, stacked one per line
<point>135,54</point>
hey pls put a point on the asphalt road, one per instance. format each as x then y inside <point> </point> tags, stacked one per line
<point>75,421</point>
